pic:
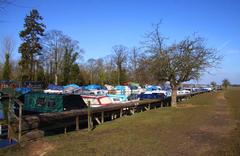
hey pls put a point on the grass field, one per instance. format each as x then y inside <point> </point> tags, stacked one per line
<point>207,124</point>
<point>233,144</point>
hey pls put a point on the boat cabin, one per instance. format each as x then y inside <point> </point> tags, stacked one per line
<point>36,102</point>
<point>97,101</point>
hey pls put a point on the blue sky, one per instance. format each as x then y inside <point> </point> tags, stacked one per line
<point>100,24</point>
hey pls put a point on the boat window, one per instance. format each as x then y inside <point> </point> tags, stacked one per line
<point>40,101</point>
<point>116,99</point>
<point>105,100</point>
<point>51,103</point>
<point>92,101</point>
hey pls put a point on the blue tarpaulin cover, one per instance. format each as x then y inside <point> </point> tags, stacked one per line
<point>94,86</point>
<point>23,90</point>
<point>120,87</point>
<point>151,88</point>
<point>54,87</point>
<point>72,85</point>
<point>151,96</point>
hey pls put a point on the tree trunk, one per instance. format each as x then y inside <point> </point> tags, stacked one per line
<point>56,66</point>
<point>91,77</point>
<point>118,76</point>
<point>56,79</point>
<point>31,68</point>
<point>174,97</point>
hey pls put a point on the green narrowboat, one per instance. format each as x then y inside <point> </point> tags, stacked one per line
<point>38,102</point>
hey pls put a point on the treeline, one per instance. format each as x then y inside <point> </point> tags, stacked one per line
<point>53,57</point>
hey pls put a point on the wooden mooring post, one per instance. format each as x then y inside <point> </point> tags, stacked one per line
<point>132,110</point>
<point>90,124</point>
<point>121,112</point>
<point>112,116</point>
<point>65,130</point>
<point>98,121</point>
<point>20,123</point>
<point>77,123</point>
<point>9,118</point>
<point>102,116</point>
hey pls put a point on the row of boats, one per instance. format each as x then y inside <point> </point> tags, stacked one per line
<point>62,98</point>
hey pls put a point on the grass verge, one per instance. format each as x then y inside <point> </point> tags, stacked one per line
<point>167,131</point>
<point>233,144</point>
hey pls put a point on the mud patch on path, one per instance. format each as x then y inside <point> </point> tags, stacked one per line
<point>40,148</point>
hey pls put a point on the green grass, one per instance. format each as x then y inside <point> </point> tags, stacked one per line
<point>141,134</point>
<point>232,96</point>
<point>165,131</point>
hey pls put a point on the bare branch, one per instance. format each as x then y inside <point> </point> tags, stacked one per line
<point>8,46</point>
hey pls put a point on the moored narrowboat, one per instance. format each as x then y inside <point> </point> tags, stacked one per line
<point>38,102</point>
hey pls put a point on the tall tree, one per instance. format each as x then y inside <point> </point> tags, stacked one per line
<point>53,47</point>
<point>178,62</point>
<point>213,84</point>
<point>91,65</point>
<point>143,71</point>
<point>7,49</point>
<point>58,51</point>
<point>6,68</point>
<point>134,63</point>
<point>75,74</point>
<point>109,67</point>
<point>120,59</point>
<point>30,49</point>
<point>40,75</point>
<point>70,56</point>
<point>7,46</point>
<point>225,83</point>
<point>100,71</point>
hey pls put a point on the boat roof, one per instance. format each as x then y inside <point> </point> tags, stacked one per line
<point>93,96</point>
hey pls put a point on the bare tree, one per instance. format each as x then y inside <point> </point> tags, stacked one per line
<point>100,71</point>
<point>54,52</point>
<point>213,84</point>
<point>120,58</point>
<point>8,46</point>
<point>178,62</point>
<point>55,46</point>
<point>91,65</point>
<point>109,65</point>
<point>134,63</point>
<point>225,83</point>
<point>143,70</point>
